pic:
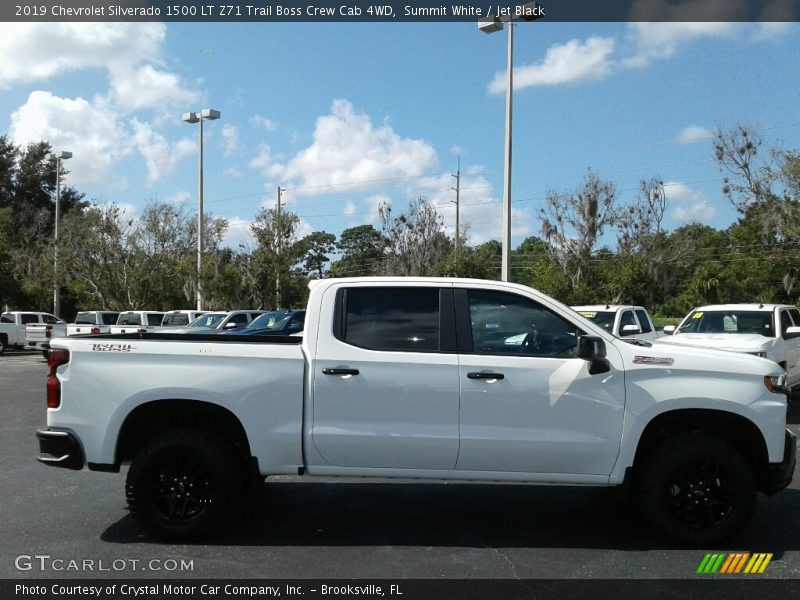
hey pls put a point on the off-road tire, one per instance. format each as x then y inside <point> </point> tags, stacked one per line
<point>184,484</point>
<point>694,490</point>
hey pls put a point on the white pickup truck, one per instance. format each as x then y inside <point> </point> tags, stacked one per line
<point>623,320</point>
<point>137,321</point>
<point>768,330</point>
<point>93,322</point>
<point>13,327</point>
<point>451,379</point>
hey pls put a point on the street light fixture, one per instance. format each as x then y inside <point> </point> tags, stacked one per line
<point>198,117</point>
<point>56,290</point>
<point>491,24</point>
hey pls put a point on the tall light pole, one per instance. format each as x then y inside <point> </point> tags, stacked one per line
<point>198,117</point>
<point>56,289</point>
<point>526,12</point>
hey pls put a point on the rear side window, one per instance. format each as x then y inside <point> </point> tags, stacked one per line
<point>154,318</point>
<point>391,319</point>
<point>7,319</point>
<point>644,321</point>
<point>110,318</point>
<point>129,319</point>
<point>28,318</point>
<point>177,319</point>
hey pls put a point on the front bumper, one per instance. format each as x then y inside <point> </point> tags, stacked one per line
<point>780,474</point>
<point>59,449</point>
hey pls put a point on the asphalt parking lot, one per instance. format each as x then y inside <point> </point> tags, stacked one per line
<point>341,529</point>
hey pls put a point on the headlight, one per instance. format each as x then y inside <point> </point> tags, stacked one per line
<point>776,383</point>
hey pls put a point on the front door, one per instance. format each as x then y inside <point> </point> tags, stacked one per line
<point>528,403</point>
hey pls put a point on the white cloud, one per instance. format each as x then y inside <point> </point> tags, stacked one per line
<point>36,51</point>
<point>238,232</point>
<point>160,155</point>
<point>179,197</point>
<point>349,209</point>
<point>348,149</point>
<point>233,173</point>
<point>230,135</point>
<point>136,88</point>
<point>690,205</point>
<point>569,63</point>
<point>660,41</point>
<point>267,125</point>
<point>694,134</point>
<point>92,133</point>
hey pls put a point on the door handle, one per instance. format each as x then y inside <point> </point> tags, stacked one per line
<point>484,375</point>
<point>339,371</point>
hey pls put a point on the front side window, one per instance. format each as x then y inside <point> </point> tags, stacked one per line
<point>49,319</point>
<point>109,318</point>
<point>504,323</point>
<point>391,319</point>
<point>786,321</point>
<point>626,318</point>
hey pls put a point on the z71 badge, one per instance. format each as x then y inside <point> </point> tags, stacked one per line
<point>112,348</point>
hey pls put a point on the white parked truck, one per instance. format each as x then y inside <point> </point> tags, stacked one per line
<point>137,321</point>
<point>768,330</point>
<point>449,379</point>
<point>622,320</point>
<point>93,322</point>
<point>14,323</point>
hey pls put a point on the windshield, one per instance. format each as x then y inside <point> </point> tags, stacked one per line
<point>209,320</point>
<point>729,321</point>
<point>271,320</point>
<point>604,318</point>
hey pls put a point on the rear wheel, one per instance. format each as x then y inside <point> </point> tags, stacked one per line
<point>184,484</point>
<point>695,490</point>
<point>2,344</point>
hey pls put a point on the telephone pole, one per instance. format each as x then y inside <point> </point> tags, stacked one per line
<point>279,247</point>
<point>457,175</point>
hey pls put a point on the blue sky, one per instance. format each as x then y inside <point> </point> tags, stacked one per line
<point>346,115</point>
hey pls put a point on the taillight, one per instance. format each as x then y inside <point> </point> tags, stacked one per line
<point>55,358</point>
<point>141,330</point>
<point>48,333</point>
<point>95,330</point>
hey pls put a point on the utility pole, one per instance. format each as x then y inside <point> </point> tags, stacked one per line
<point>279,246</point>
<point>457,175</point>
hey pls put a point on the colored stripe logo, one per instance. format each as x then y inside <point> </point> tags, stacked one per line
<point>734,563</point>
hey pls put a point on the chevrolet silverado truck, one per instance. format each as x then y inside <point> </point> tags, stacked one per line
<point>447,379</point>
<point>93,322</point>
<point>623,320</point>
<point>768,330</point>
<point>13,327</point>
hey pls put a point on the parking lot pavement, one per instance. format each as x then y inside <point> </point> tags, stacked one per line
<point>354,528</point>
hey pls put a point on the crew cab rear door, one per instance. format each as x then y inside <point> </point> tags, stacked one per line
<point>386,383</point>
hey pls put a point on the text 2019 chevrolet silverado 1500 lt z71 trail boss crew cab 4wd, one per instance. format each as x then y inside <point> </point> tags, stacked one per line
<point>425,378</point>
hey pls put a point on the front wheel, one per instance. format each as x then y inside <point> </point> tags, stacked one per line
<point>184,484</point>
<point>695,490</point>
<point>2,344</point>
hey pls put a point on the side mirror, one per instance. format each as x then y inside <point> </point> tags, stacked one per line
<point>230,325</point>
<point>631,330</point>
<point>593,349</point>
<point>295,326</point>
<point>791,333</point>
<point>669,329</point>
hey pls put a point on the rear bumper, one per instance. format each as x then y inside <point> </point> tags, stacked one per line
<point>780,474</point>
<point>59,449</point>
